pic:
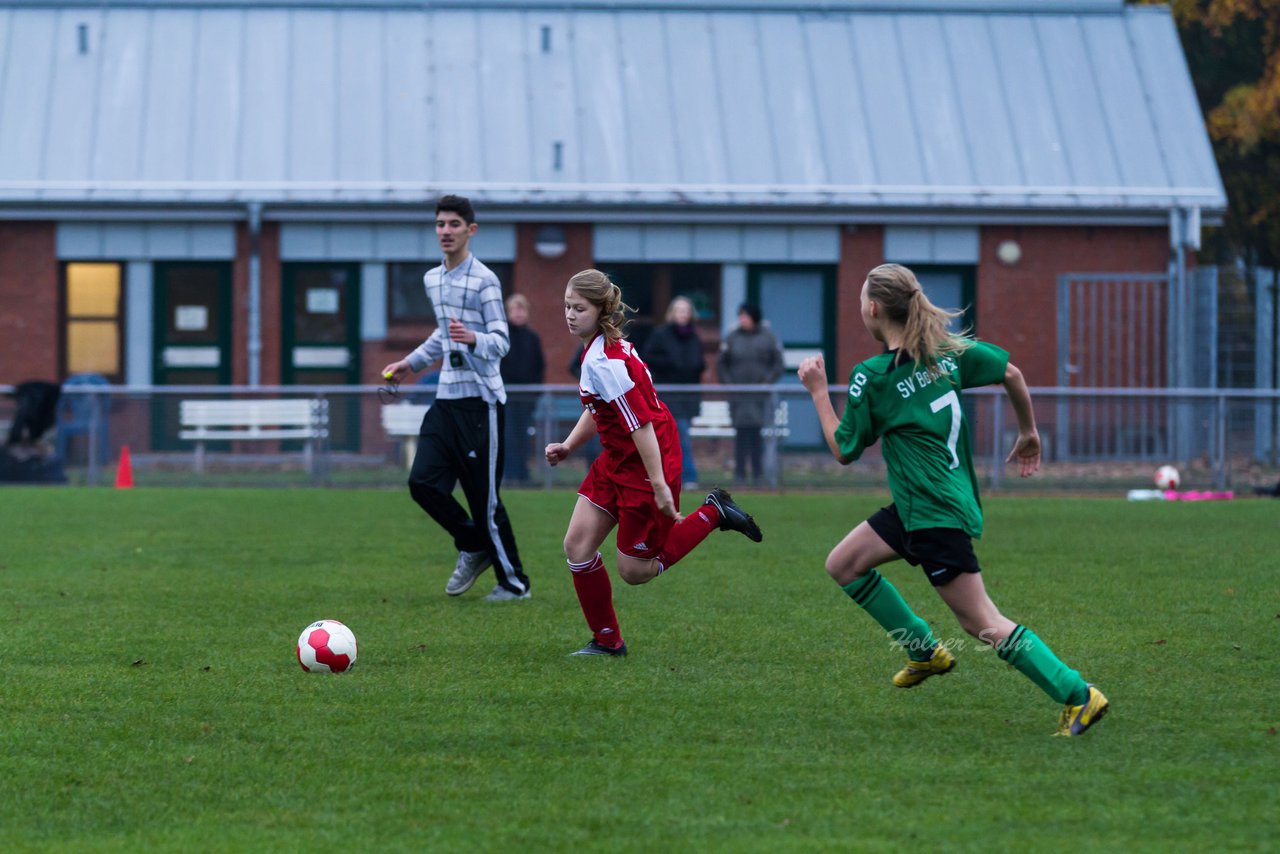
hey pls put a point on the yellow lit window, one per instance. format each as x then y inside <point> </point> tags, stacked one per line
<point>93,333</point>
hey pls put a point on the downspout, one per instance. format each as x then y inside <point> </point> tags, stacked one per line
<point>1177,298</point>
<point>1275,360</point>
<point>1191,303</point>
<point>255,293</point>
<point>1184,224</point>
<point>1178,413</point>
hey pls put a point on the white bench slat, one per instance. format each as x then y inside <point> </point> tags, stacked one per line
<point>249,413</point>
<point>230,434</point>
<point>403,419</point>
<point>249,420</point>
<point>714,421</point>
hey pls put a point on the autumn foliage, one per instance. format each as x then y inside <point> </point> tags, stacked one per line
<point>1233,50</point>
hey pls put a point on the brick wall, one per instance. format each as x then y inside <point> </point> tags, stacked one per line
<point>1017,304</point>
<point>29,331</point>
<point>861,248</point>
<point>543,280</point>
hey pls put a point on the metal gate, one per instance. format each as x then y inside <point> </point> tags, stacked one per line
<point>1113,333</point>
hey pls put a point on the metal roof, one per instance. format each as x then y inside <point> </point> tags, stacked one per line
<point>648,5</point>
<point>597,106</point>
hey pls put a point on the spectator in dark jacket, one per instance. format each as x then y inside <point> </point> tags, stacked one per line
<point>674,356</point>
<point>523,365</point>
<point>750,355</point>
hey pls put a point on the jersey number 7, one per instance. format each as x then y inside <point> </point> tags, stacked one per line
<point>950,399</point>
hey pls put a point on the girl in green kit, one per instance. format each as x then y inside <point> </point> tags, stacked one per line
<point>909,397</point>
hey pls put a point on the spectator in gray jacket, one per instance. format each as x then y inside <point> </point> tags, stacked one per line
<point>749,355</point>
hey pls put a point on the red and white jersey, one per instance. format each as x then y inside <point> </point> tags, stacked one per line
<point>616,388</point>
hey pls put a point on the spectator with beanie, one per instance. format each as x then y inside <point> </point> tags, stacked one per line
<point>750,355</point>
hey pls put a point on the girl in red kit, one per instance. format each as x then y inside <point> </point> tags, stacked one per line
<point>634,484</point>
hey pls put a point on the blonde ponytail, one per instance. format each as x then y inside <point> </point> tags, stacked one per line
<point>925,336</point>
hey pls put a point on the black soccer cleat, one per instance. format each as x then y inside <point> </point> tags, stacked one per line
<point>733,517</point>
<point>594,648</point>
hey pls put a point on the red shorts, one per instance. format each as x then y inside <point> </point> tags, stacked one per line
<point>642,530</point>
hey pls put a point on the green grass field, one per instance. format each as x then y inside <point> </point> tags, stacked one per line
<point>151,698</point>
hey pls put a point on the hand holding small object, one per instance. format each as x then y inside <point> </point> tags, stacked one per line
<point>395,371</point>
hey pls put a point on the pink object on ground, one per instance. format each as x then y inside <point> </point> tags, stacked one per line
<point>1198,495</point>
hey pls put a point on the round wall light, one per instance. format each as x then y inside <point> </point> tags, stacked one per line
<point>1009,252</point>
<point>550,242</point>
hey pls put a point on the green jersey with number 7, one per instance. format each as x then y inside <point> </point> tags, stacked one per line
<point>926,438</point>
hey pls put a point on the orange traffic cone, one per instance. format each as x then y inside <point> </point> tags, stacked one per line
<point>124,471</point>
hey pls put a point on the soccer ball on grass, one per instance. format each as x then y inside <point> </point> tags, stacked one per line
<point>326,646</point>
<point>1167,477</point>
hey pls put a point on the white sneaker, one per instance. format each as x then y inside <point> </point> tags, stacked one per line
<point>468,569</point>
<point>502,594</point>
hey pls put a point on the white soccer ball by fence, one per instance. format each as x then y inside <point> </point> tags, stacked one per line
<point>326,646</point>
<point>1167,477</point>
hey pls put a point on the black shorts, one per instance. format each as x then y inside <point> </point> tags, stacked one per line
<point>943,553</point>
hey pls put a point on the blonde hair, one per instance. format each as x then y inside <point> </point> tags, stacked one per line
<point>925,337</point>
<point>599,290</point>
<point>671,309</point>
<point>517,300</point>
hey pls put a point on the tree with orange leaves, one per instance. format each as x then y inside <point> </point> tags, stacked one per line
<point>1233,50</point>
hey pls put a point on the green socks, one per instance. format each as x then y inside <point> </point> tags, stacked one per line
<point>1034,660</point>
<point>1022,649</point>
<point>881,600</point>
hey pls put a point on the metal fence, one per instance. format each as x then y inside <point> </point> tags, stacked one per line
<point>1095,439</point>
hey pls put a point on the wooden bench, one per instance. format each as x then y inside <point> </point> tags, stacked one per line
<point>403,421</point>
<point>204,421</point>
<point>713,421</point>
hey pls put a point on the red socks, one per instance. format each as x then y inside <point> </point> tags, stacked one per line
<point>595,592</point>
<point>685,536</point>
<point>595,595</point>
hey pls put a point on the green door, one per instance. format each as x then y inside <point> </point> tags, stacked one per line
<point>191,337</point>
<point>321,339</point>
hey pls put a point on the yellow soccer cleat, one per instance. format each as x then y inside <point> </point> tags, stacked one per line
<point>1075,720</point>
<point>942,661</point>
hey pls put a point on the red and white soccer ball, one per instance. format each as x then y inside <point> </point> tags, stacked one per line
<point>326,646</point>
<point>1167,477</point>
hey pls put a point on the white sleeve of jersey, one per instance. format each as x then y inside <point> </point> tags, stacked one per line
<point>607,379</point>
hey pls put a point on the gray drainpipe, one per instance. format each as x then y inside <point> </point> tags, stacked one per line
<point>1177,296</point>
<point>1184,232</point>
<point>255,293</point>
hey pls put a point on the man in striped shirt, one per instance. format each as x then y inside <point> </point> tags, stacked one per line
<point>460,440</point>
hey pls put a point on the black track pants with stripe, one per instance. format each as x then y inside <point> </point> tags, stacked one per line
<point>460,442</point>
